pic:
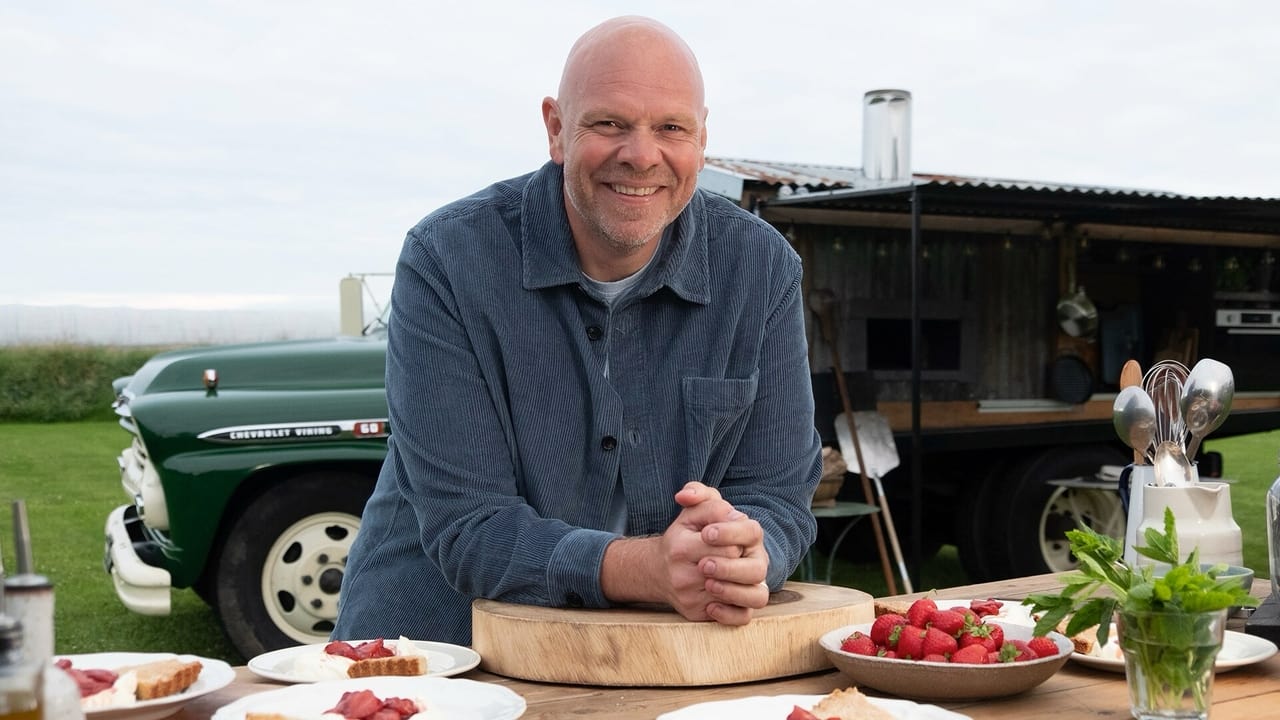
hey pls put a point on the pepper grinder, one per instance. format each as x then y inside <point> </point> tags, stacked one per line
<point>28,596</point>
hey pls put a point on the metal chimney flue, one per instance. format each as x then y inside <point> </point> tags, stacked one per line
<point>886,135</point>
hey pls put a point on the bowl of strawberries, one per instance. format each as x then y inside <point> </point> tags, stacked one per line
<point>944,651</point>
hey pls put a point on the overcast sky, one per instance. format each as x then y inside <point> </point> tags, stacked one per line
<point>250,154</point>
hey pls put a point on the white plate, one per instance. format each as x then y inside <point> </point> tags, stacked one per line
<point>214,675</point>
<point>1238,649</point>
<point>776,707</point>
<point>1011,611</point>
<point>443,660</point>
<point>454,698</point>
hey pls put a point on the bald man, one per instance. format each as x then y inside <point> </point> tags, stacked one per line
<point>597,377</point>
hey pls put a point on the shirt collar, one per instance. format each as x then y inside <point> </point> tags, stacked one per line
<point>550,258</point>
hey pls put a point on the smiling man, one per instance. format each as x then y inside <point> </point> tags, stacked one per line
<point>597,377</point>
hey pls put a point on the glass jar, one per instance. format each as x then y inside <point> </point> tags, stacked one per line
<point>20,680</point>
<point>1273,536</point>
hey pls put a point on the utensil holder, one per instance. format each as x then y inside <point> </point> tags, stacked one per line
<point>1202,516</point>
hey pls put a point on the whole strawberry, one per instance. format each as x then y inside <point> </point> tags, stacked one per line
<point>937,642</point>
<point>948,621</point>
<point>920,610</point>
<point>884,631</point>
<point>859,644</point>
<point>911,642</point>
<point>1042,646</point>
<point>970,655</point>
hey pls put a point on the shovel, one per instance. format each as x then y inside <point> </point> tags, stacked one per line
<point>880,455</point>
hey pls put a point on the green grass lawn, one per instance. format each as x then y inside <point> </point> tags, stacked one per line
<point>66,473</point>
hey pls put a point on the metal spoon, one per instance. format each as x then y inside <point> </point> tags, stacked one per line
<point>1171,465</point>
<point>1134,416</point>
<point>1206,400</point>
<point>1130,376</point>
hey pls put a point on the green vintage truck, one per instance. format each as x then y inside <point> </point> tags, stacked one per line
<point>247,472</point>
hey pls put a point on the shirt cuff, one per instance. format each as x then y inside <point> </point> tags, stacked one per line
<point>573,575</point>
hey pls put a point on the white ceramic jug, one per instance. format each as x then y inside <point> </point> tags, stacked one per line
<point>1202,516</point>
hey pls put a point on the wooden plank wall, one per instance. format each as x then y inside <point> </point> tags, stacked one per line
<point>1007,287</point>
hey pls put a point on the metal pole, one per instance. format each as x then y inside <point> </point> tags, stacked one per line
<point>917,454</point>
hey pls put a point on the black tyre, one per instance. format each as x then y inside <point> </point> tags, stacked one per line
<point>282,561</point>
<point>1034,514</point>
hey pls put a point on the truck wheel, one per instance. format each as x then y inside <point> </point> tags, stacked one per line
<point>1036,513</point>
<point>282,562</point>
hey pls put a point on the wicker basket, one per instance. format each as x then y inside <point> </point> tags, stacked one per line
<point>833,471</point>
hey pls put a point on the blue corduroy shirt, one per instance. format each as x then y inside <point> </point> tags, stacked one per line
<point>508,441</point>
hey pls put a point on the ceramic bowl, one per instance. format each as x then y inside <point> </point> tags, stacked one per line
<point>1237,572</point>
<point>919,680</point>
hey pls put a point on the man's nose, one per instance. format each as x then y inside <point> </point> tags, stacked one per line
<point>641,150</point>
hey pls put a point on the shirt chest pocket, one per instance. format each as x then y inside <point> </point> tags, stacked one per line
<point>716,411</point>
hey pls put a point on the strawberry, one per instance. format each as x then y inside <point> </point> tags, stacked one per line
<point>859,644</point>
<point>1023,653</point>
<point>935,657</point>
<point>911,642</point>
<point>919,612</point>
<point>799,713</point>
<point>884,631</point>
<point>997,633</point>
<point>1043,647</point>
<point>986,607</point>
<point>948,621</point>
<point>937,642</point>
<point>979,635</point>
<point>970,655</point>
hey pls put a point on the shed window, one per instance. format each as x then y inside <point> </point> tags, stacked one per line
<point>889,344</point>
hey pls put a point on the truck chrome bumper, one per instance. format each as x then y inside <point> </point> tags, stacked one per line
<point>142,588</point>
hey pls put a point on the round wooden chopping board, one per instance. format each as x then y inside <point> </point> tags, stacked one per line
<point>656,647</point>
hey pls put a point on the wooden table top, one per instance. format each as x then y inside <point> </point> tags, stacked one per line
<point>1075,691</point>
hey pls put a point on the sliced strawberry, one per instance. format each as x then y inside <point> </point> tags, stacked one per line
<point>986,607</point>
<point>357,704</point>
<point>342,649</point>
<point>404,706</point>
<point>373,649</point>
<point>799,713</point>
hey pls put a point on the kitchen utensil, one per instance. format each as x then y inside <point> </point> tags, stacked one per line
<point>1134,417</point>
<point>651,646</point>
<point>1206,400</point>
<point>880,453</point>
<point>1131,376</point>
<point>823,304</point>
<point>1163,382</point>
<point>1171,465</point>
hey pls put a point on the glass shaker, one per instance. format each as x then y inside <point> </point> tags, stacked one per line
<point>20,681</point>
<point>1273,536</point>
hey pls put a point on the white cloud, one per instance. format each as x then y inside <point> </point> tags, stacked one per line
<point>267,149</point>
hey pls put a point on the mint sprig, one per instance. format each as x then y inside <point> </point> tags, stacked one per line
<point>1104,583</point>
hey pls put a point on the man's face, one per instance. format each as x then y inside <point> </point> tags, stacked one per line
<point>630,135</point>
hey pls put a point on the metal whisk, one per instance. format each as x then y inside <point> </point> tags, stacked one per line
<point>1164,382</point>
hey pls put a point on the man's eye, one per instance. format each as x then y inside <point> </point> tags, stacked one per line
<point>672,128</point>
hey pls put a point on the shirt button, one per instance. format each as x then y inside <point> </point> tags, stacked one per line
<point>594,332</point>
<point>573,600</point>
<point>609,442</point>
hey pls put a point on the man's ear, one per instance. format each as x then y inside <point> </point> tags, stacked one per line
<point>555,129</point>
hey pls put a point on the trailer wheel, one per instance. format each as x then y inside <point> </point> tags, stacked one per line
<point>1037,513</point>
<point>281,565</point>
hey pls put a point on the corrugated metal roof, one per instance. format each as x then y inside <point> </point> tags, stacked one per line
<point>803,178</point>
<point>797,185</point>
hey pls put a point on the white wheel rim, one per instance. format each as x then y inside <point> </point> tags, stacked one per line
<point>302,572</point>
<point>1100,509</point>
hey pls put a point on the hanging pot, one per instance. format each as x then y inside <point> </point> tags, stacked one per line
<point>1077,315</point>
